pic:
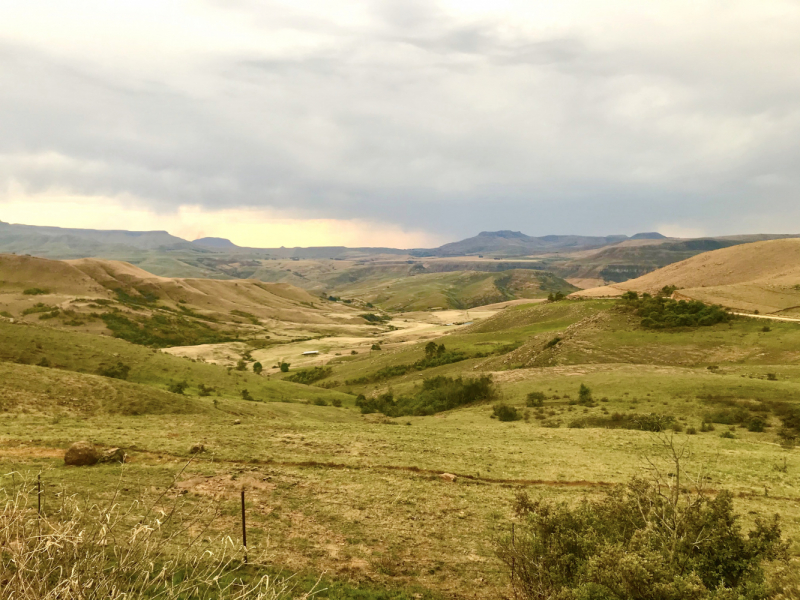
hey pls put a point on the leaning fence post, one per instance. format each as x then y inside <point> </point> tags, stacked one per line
<point>244,529</point>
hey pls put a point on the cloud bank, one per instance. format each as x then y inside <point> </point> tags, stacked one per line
<point>432,120</point>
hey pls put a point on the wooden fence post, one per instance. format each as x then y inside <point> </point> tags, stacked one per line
<point>244,529</point>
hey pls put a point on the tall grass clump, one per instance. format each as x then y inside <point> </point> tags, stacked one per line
<point>118,553</point>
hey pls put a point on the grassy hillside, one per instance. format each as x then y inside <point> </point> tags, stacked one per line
<point>456,290</point>
<point>92,354</point>
<point>408,506</point>
<point>762,276</point>
<point>116,298</point>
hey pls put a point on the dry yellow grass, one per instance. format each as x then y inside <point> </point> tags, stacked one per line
<point>760,276</point>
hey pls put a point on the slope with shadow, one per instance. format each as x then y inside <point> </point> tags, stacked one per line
<point>117,298</point>
<point>761,276</point>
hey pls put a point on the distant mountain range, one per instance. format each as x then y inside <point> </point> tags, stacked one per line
<point>515,243</point>
<point>584,260</point>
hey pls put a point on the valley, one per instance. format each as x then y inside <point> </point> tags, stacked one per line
<point>382,436</point>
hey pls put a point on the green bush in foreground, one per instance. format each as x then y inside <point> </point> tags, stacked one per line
<point>649,540</point>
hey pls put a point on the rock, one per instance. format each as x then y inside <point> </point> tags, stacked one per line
<point>113,455</point>
<point>197,449</point>
<point>237,422</point>
<point>447,477</point>
<point>81,454</point>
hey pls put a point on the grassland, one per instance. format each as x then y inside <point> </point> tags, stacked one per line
<point>359,498</point>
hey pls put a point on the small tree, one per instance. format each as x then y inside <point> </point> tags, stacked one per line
<point>584,395</point>
<point>376,346</point>
<point>241,365</point>
<point>257,368</point>
<point>430,349</point>
<point>246,396</point>
<point>440,350</point>
<point>284,367</point>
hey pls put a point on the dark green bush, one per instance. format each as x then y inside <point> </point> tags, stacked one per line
<point>117,371</point>
<point>284,367</point>
<point>437,394</point>
<point>35,291</point>
<point>638,543</point>
<point>178,387</point>
<point>309,376</point>
<point>161,331</point>
<point>584,395</point>
<point>663,313</point>
<point>552,342</point>
<point>39,307</point>
<point>535,399</point>
<point>504,412</point>
<point>373,318</point>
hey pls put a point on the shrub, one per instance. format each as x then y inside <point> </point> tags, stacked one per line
<point>284,367</point>
<point>246,396</point>
<point>772,377</point>
<point>205,390</point>
<point>552,342</point>
<point>161,331</point>
<point>766,329</point>
<point>117,371</point>
<point>584,395</point>
<point>178,387</point>
<point>35,291</point>
<point>504,412</point>
<point>437,394</point>
<point>337,402</point>
<point>39,307</point>
<point>639,542</point>
<point>691,431</point>
<point>257,368</point>
<point>728,435</point>
<point>661,312</point>
<point>375,347</point>
<point>320,402</point>
<point>535,399</point>
<point>373,318</point>
<point>756,424</point>
<point>241,365</point>
<point>309,376</point>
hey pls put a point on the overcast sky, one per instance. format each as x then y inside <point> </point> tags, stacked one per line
<point>400,123</point>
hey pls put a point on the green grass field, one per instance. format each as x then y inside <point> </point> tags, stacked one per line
<point>358,499</point>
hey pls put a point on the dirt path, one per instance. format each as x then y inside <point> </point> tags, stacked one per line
<point>752,316</point>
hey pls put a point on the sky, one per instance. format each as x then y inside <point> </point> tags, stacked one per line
<point>400,123</point>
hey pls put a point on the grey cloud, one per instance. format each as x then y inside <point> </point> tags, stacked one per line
<point>423,120</point>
